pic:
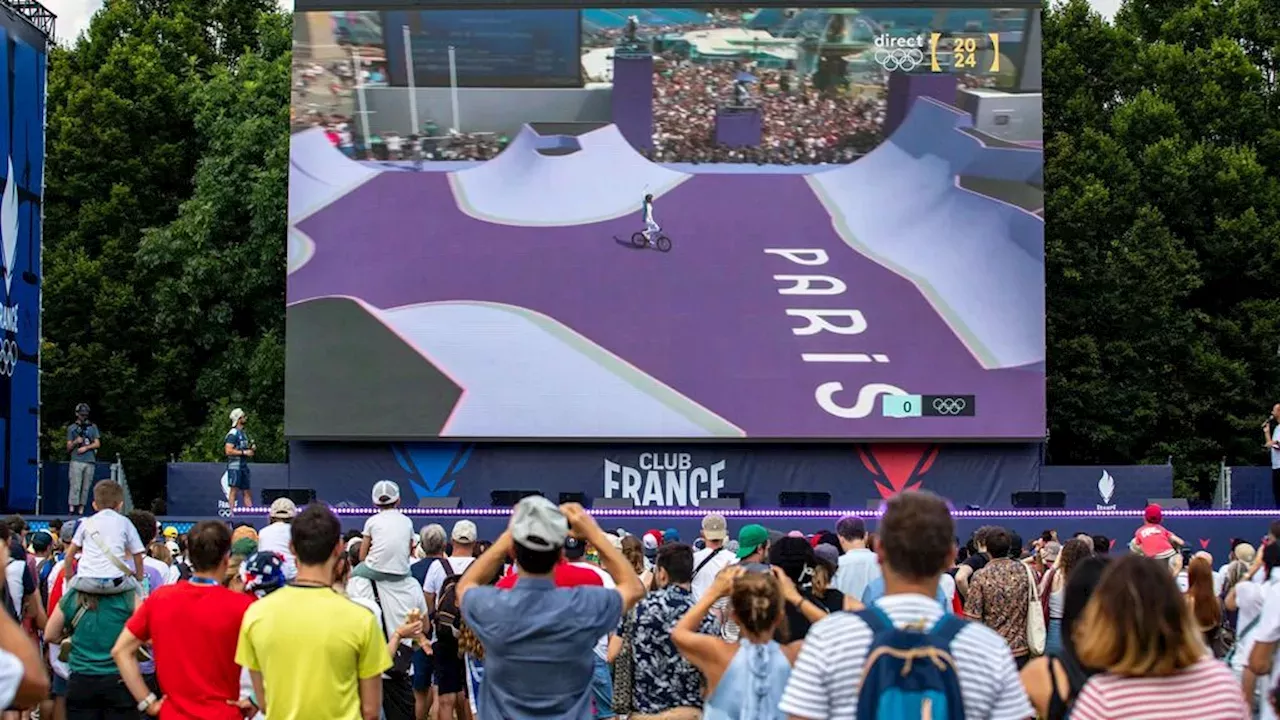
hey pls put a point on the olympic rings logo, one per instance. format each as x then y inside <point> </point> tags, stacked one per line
<point>949,406</point>
<point>904,59</point>
<point>8,357</point>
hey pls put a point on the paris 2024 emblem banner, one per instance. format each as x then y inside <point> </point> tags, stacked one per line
<point>676,223</point>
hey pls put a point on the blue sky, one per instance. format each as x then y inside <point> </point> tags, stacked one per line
<point>73,15</point>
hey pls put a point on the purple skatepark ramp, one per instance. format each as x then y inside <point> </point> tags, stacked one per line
<point>632,97</point>
<point>319,172</point>
<point>531,304</point>
<point>604,179</point>
<point>979,261</point>
<point>738,126</point>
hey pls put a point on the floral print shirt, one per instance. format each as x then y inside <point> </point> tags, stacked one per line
<point>663,678</point>
<point>999,595</point>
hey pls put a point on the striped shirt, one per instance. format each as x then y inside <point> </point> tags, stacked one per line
<point>1204,691</point>
<point>828,674</point>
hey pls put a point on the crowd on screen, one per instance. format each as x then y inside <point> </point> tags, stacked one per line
<point>800,124</point>
<point>113,616</point>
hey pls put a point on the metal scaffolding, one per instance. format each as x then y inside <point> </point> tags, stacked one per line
<point>35,13</point>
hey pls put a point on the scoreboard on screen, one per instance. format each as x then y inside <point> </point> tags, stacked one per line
<point>914,406</point>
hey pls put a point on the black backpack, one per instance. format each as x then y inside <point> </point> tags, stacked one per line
<point>448,613</point>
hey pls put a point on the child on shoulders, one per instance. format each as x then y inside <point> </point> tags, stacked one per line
<point>109,547</point>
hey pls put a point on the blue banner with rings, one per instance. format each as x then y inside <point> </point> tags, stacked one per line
<point>23,68</point>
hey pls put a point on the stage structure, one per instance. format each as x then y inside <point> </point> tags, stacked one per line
<point>26,29</point>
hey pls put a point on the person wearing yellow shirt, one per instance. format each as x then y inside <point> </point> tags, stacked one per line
<point>312,653</point>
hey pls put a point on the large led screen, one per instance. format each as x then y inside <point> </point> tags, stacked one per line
<point>805,223</point>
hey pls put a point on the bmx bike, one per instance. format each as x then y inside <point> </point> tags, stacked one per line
<point>662,242</point>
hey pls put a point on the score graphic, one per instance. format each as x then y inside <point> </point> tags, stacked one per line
<point>914,406</point>
<point>961,52</point>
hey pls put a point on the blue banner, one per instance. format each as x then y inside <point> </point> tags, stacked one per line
<point>677,476</point>
<point>22,99</point>
<point>200,489</point>
<point>1102,487</point>
<point>1251,487</point>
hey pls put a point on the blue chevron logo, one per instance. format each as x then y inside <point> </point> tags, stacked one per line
<point>432,468</point>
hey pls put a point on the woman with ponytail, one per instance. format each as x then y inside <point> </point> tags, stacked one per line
<point>744,679</point>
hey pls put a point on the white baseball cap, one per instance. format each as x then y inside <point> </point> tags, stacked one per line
<point>236,416</point>
<point>464,531</point>
<point>714,527</point>
<point>536,523</point>
<point>282,508</point>
<point>385,492</point>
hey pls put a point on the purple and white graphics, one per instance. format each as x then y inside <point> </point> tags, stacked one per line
<point>480,262</point>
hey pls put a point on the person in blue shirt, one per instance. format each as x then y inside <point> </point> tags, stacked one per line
<point>538,640</point>
<point>875,591</point>
<point>651,227</point>
<point>238,448</point>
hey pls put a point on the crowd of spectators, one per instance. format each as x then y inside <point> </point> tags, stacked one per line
<point>800,124</point>
<point>558,618</point>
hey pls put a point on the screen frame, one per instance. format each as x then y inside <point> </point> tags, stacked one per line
<point>1035,13</point>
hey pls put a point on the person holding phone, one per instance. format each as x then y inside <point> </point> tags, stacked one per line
<point>1271,441</point>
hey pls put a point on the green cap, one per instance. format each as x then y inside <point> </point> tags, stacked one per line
<point>750,538</point>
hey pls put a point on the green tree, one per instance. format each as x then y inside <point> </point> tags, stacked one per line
<point>1163,247</point>
<point>132,137</point>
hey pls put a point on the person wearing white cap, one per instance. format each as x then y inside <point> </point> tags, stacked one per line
<point>384,580</point>
<point>450,670</point>
<point>276,536</point>
<point>708,562</point>
<point>238,448</point>
<point>388,537</point>
<point>538,639</point>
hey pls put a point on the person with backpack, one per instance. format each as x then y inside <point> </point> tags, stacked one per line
<point>431,544</point>
<point>902,657</point>
<point>441,588</point>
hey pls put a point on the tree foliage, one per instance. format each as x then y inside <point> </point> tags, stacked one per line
<point>165,214</point>
<point>166,220</point>
<point>1163,241</point>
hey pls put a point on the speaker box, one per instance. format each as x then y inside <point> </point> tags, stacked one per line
<point>299,496</point>
<point>509,498</point>
<point>1030,499</point>
<point>440,503</point>
<point>819,500</point>
<point>721,503</point>
<point>574,497</point>
<point>612,503</point>
<point>1170,503</point>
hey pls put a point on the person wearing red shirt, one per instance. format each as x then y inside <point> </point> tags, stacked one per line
<point>564,575</point>
<point>193,628</point>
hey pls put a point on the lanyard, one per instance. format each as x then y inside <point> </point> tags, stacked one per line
<point>202,581</point>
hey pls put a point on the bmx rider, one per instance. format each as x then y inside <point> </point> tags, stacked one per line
<point>651,228</point>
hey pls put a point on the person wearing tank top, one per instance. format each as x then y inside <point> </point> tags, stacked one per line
<point>744,679</point>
